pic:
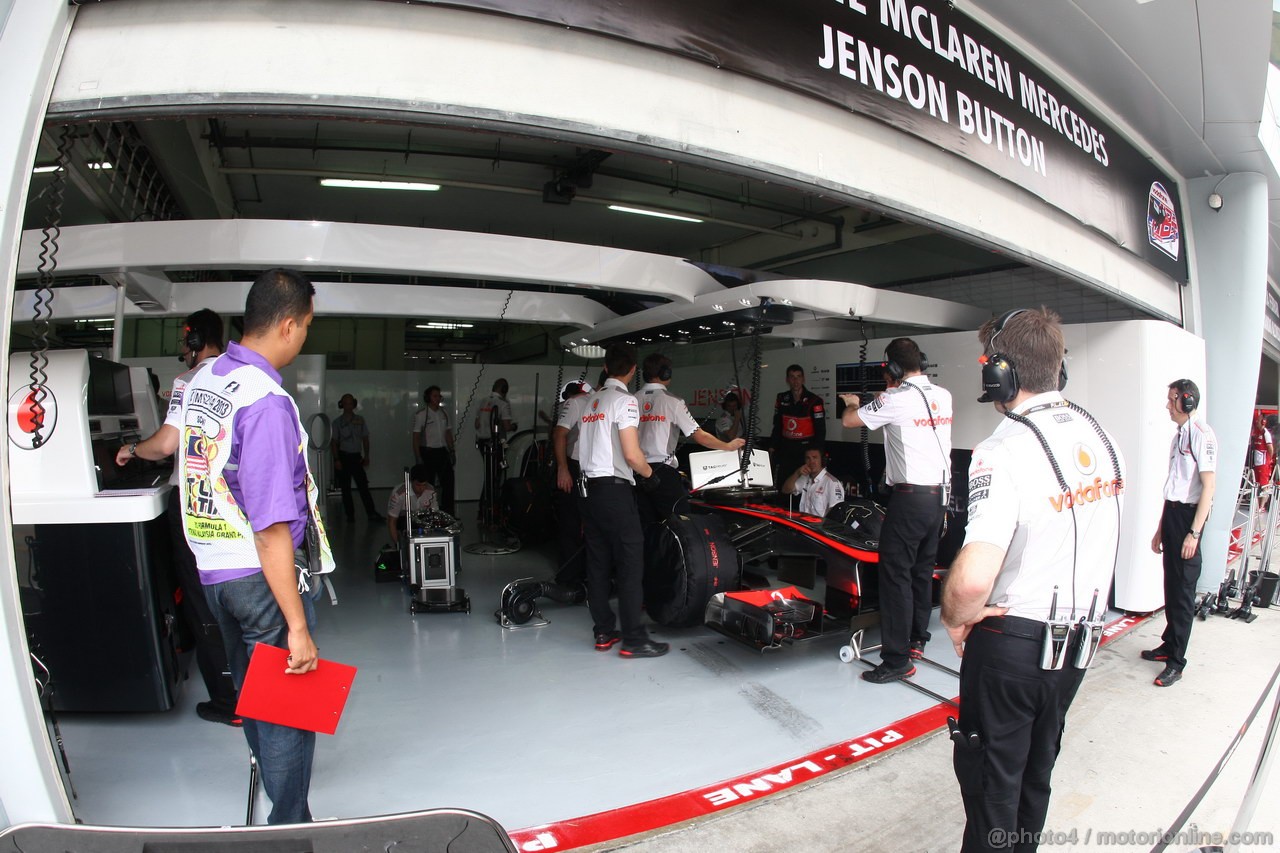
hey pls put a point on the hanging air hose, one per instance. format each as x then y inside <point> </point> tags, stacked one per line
<point>480,374</point>
<point>753,409</point>
<point>43,305</point>
<point>865,438</point>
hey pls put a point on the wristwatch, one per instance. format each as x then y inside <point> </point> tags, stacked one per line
<point>133,449</point>
<point>1194,534</point>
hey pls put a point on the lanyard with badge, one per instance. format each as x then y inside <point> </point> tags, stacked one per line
<point>1057,632</point>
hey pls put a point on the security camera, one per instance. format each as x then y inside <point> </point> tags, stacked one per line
<point>1215,201</point>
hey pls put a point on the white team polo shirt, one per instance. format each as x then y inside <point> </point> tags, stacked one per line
<point>607,411</point>
<point>819,494</point>
<point>661,414</point>
<point>431,425</point>
<point>1194,449</point>
<point>397,500</point>
<point>495,402</point>
<point>570,417</point>
<point>915,451</point>
<point>1049,537</point>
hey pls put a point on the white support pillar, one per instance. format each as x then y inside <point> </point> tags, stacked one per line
<point>1230,271</point>
<point>32,37</point>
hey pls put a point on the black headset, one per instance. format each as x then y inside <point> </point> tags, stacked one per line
<point>194,340</point>
<point>664,373</point>
<point>999,373</point>
<point>1187,396</point>
<point>354,402</point>
<point>897,372</point>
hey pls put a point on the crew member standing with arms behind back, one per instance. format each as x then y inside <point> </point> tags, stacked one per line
<point>916,416</point>
<point>1188,498</point>
<point>799,422</point>
<point>609,452</point>
<point>1025,599</point>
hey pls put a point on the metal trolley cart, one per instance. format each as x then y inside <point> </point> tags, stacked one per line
<point>430,556</point>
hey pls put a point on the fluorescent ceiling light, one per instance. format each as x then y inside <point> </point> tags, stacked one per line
<point>43,170</point>
<point>378,185</point>
<point>589,351</point>
<point>435,325</point>
<point>656,213</point>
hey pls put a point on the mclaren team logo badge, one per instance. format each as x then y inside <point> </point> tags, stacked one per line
<point>25,416</point>
<point>1162,221</point>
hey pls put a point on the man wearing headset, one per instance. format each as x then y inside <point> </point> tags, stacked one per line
<point>1024,600</point>
<point>662,417</point>
<point>350,446</point>
<point>916,416</point>
<point>201,343</point>
<point>1188,498</point>
<point>818,488</point>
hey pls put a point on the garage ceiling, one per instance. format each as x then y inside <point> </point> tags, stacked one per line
<point>1181,91</point>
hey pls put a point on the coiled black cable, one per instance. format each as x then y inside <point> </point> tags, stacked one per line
<point>43,303</point>
<point>753,420</point>
<point>864,434</point>
<point>480,374</point>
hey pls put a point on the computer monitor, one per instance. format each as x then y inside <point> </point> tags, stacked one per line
<point>109,390</point>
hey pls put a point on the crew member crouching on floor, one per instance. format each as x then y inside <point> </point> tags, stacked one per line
<point>1024,600</point>
<point>424,499</point>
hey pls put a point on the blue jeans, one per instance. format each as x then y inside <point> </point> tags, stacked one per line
<point>247,614</point>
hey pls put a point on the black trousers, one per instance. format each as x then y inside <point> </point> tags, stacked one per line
<point>211,656</point>
<point>1018,712</point>
<point>1180,577</point>
<point>670,496</point>
<point>573,550</point>
<point>615,549</point>
<point>353,469</point>
<point>908,546</point>
<point>440,473</point>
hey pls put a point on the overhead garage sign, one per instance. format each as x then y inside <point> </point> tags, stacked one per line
<point>925,69</point>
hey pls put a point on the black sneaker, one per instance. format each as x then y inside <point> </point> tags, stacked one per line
<point>647,649</point>
<point>917,649</point>
<point>883,674</point>
<point>606,640</point>
<point>1167,676</point>
<point>211,713</point>
<point>1156,654</point>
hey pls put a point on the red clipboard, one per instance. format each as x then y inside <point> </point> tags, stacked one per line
<point>313,701</point>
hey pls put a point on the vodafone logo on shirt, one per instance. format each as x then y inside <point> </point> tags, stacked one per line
<point>1086,493</point>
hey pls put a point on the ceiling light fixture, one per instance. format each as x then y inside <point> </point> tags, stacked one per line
<point>589,351</point>
<point>378,185</point>
<point>43,170</point>
<point>642,212</point>
<point>438,325</point>
<point>100,167</point>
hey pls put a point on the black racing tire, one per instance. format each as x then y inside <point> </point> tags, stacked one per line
<point>688,559</point>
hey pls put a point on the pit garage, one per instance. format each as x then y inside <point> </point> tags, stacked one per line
<point>474,202</point>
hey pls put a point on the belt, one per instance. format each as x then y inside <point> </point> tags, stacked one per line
<point>1183,503</point>
<point>620,480</point>
<point>911,487</point>
<point>1014,626</point>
